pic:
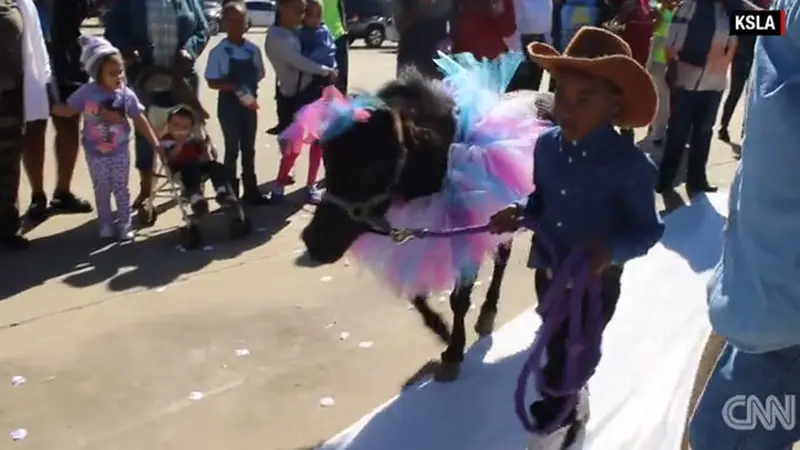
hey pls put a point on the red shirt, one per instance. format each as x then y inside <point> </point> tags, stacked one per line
<point>478,33</point>
<point>192,150</point>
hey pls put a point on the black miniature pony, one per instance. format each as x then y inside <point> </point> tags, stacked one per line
<point>401,153</point>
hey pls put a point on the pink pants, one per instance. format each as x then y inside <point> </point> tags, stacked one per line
<point>289,157</point>
<point>110,175</point>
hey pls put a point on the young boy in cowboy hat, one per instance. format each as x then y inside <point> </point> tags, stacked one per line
<point>593,193</point>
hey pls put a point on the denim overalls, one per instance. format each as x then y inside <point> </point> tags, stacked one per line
<point>239,122</point>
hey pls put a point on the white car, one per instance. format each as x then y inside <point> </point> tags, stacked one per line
<point>260,13</point>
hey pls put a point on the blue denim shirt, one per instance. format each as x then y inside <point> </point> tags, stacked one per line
<point>754,294</point>
<point>598,189</point>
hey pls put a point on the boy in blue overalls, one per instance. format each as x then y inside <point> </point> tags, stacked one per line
<point>235,67</point>
<point>592,195</point>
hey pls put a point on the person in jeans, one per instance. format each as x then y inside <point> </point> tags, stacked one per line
<point>755,288</point>
<point>235,67</point>
<point>701,48</point>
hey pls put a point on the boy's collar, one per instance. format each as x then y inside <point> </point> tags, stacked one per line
<point>601,131</point>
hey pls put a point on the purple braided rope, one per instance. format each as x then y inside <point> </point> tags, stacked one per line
<point>556,308</point>
<point>583,343</point>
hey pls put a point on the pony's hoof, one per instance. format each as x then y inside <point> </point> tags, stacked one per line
<point>447,372</point>
<point>484,326</point>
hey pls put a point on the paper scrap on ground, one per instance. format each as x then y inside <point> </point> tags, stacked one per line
<point>196,395</point>
<point>326,278</point>
<point>344,335</point>
<point>327,402</point>
<point>18,434</point>
<point>18,380</point>
<point>365,344</point>
<point>161,289</point>
<point>242,352</point>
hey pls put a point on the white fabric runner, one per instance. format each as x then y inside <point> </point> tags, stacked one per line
<point>640,392</point>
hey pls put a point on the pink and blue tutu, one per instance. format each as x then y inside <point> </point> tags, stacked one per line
<point>490,167</point>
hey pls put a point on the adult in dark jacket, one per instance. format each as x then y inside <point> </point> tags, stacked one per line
<point>169,33</point>
<point>61,37</point>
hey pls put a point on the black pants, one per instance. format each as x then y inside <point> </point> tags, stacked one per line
<point>529,74</point>
<point>192,174</point>
<point>740,71</point>
<point>547,409</point>
<point>342,62</point>
<point>691,120</point>
<point>12,130</point>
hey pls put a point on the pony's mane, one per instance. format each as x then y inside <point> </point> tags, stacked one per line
<point>424,107</point>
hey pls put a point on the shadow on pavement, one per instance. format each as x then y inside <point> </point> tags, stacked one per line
<point>153,259</point>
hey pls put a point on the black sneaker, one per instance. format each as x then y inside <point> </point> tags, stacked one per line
<point>255,197</point>
<point>15,243</point>
<point>68,203</point>
<point>273,131</point>
<point>200,207</point>
<point>37,211</point>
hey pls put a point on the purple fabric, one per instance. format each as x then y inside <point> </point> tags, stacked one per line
<point>583,342</point>
<point>102,136</point>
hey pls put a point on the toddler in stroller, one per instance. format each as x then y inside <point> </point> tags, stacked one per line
<point>188,156</point>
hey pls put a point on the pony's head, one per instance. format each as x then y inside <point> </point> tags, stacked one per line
<point>396,152</point>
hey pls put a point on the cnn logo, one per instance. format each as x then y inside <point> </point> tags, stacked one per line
<point>746,412</point>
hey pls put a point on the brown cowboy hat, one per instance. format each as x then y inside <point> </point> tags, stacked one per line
<point>601,53</point>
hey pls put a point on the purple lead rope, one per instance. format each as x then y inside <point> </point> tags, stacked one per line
<point>562,304</point>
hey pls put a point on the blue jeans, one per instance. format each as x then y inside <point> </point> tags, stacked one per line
<point>774,373</point>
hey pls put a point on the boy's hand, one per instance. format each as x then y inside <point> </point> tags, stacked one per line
<point>505,221</point>
<point>599,256</point>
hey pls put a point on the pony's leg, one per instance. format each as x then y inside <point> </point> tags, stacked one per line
<point>432,320</point>
<point>485,323</point>
<point>454,354</point>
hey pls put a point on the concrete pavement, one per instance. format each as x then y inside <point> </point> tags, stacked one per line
<point>135,347</point>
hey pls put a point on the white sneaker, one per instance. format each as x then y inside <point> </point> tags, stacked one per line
<point>126,233</point>
<point>557,440</point>
<point>107,231</point>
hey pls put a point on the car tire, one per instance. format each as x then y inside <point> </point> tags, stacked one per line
<point>374,36</point>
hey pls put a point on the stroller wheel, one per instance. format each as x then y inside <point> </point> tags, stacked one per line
<point>239,227</point>
<point>146,216</point>
<point>190,237</point>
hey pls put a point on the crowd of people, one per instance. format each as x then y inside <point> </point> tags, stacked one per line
<point>307,49</point>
